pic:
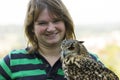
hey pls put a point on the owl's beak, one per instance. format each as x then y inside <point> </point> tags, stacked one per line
<point>64,54</point>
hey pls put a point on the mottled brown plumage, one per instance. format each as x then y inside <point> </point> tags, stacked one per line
<point>79,65</point>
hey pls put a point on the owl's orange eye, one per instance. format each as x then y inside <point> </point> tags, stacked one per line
<point>71,48</point>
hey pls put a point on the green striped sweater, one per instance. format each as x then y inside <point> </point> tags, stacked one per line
<point>18,65</point>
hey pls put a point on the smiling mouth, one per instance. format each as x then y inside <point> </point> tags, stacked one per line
<point>51,35</point>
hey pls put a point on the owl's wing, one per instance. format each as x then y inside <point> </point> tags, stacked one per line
<point>91,67</point>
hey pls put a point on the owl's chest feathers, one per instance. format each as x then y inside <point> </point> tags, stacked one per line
<point>78,65</point>
<point>75,60</point>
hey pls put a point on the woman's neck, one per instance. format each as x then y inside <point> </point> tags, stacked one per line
<point>51,54</point>
<point>50,51</point>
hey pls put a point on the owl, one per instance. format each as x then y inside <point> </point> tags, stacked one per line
<point>78,64</point>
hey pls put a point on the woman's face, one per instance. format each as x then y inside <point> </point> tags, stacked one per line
<point>49,30</point>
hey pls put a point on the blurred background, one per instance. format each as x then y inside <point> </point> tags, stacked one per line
<point>97,22</point>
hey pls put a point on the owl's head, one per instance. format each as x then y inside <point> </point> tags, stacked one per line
<point>70,47</point>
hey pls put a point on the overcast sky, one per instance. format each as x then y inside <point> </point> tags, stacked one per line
<point>82,11</point>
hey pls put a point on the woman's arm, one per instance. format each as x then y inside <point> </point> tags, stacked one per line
<point>5,71</point>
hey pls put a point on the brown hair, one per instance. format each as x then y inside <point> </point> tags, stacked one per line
<point>55,7</point>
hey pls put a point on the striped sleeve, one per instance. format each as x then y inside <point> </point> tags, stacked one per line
<point>5,71</point>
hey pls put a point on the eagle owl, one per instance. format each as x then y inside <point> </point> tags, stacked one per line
<point>77,63</point>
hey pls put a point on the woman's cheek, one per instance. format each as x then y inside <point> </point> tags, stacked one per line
<point>40,30</point>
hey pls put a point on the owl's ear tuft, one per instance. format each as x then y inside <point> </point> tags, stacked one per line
<point>81,42</point>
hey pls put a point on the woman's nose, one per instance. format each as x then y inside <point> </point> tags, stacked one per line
<point>51,27</point>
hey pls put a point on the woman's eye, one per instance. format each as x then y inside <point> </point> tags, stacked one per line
<point>41,23</point>
<point>56,21</point>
